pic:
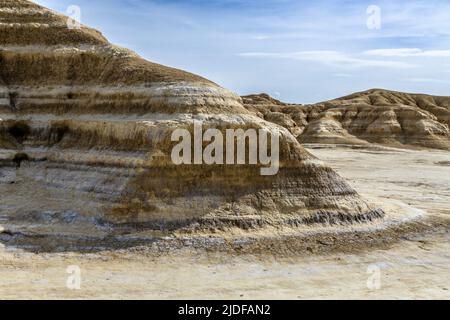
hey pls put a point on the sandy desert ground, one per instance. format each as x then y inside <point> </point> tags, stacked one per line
<point>418,266</point>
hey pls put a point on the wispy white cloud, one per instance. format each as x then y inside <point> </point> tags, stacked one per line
<point>331,58</point>
<point>261,37</point>
<point>428,80</point>
<point>342,75</point>
<point>408,52</point>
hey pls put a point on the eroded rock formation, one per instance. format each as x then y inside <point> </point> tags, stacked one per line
<point>85,133</point>
<point>374,116</point>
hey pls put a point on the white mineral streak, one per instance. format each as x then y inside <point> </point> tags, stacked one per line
<point>31,25</point>
<point>70,49</point>
<point>178,94</point>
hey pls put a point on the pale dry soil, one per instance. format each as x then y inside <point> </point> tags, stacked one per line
<point>416,267</point>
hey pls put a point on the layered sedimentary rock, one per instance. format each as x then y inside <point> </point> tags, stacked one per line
<point>374,116</point>
<point>85,131</point>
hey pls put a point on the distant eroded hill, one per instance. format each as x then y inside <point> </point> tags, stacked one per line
<point>374,116</point>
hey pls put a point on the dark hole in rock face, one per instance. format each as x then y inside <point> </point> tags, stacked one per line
<point>70,95</point>
<point>19,130</point>
<point>12,100</point>
<point>19,158</point>
<point>57,132</point>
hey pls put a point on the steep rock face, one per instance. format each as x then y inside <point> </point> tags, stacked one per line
<point>85,128</point>
<point>374,116</point>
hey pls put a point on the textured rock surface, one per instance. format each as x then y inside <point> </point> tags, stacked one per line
<point>85,136</point>
<point>374,116</point>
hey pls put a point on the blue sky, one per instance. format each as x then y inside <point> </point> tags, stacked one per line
<point>297,51</point>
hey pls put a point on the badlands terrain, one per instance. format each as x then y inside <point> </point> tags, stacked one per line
<point>379,116</point>
<point>87,180</point>
<point>86,148</point>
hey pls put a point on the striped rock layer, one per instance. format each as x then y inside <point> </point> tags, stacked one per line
<point>85,127</point>
<point>375,116</point>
